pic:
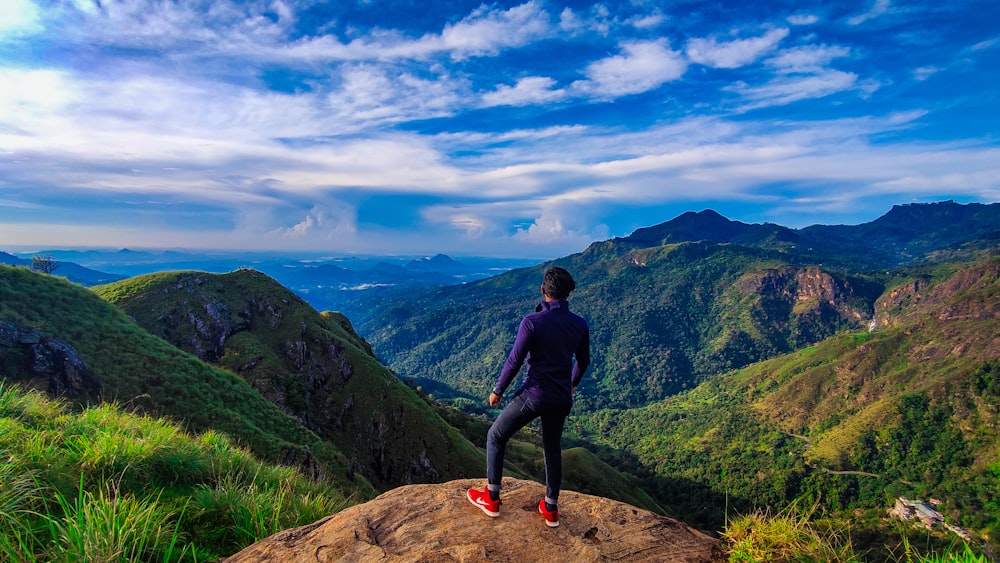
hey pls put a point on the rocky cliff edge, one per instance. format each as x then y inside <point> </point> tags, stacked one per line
<point>436,523</point>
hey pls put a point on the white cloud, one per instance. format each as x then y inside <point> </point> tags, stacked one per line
<point>802,19</point>
<point>485,31</point>
<point>174,27</point>
<point>792,88</point>
<point>878,8</point>
<point>474,227</point>
<point>27,96</point>
<point>371,95</point>
<point>643,66</point>
<point>988,44</point>
<point>285,12</point>
<point>599,20</point>
<point>169,101</point>
<point>476,221</point>
<point>647,21</point>
<point>802,73</point>
<point>696,148</point>
<point>264,31</point>
<point>809,58</point>
<point>552,203</point>
<point>529,90</point>
<point>18,18</point>
<point>569,21</point>
<point>561,199</point>
<point>551,228</point>
<point>209,141</point>
<point>555,221</point>
<point>733,54</point>
<point>925,72</point>
<point>326,221</point>
<point>18,204</point>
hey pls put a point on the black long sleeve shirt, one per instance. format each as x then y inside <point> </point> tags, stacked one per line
<point>548,340</point>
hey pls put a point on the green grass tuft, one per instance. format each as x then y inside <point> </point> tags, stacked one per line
<point>789,536</point>
<point>106,525</point>
<point>106,485</point>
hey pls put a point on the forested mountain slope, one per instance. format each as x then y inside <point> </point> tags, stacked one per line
<point>674,304</point>
<point>311,365</point>
<point>662,319</point>
<point>910,409</point>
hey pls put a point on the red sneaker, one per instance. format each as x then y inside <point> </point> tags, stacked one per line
<point>484,502</point>
<point>551,517</point>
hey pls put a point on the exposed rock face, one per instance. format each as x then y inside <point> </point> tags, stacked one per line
<point>772,311</point>
<point>898,305</point>
<point>435,523</point>
<point>45,358</point>
<point>806,292</point>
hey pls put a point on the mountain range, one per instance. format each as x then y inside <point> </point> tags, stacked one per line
<point>736,366</point>
<point>70,270</point>
<point>674,304</point>
<point>340,283</point>
<point>749,365</point>
<point>241,354</point>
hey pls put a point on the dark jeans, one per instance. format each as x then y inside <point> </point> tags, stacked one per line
<point>516,416</point>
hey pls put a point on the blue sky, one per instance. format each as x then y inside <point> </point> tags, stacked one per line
<point>524,129</point>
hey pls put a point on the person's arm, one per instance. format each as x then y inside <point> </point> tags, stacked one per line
<point>514,360</point>
<point>582,359</point>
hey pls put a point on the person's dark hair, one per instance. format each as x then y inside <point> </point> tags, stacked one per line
<point>557,283</point>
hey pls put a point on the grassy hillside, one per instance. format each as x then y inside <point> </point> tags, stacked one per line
<point>386,429</point>
<point>311,365</point>
<point>101,484</point>
<point>105,485</point>
<point>910,409</point>
<point>147,374</point>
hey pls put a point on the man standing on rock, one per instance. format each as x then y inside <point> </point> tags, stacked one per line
<point>548,340</point>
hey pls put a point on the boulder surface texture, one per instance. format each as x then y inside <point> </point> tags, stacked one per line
<point>436,523</point>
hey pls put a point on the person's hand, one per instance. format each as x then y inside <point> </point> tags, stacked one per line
<point>494,399</point>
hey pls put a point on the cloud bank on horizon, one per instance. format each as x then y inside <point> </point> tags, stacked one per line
<point>511,128</point>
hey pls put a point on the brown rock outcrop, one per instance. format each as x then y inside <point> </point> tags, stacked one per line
<point>436,523</point>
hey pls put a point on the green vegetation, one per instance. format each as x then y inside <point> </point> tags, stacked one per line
<point>791,535</point>
<point>846,425</point>
<point>662,319</point>
<point>105,485</point>
<point>677,303</point>
<point>788,536</point>
<point>839,367</point>
<point>149,375</point>
<point>732,380</point>
<point>311,365</point>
